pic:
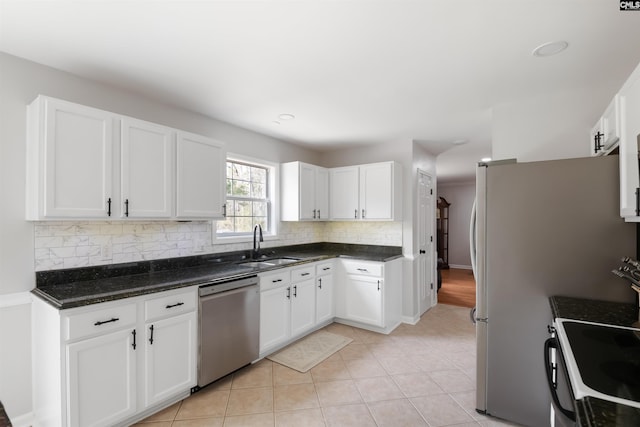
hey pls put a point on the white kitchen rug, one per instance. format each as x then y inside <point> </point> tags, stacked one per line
<point>307,352</point>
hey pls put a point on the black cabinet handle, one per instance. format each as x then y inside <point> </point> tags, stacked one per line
<point>134,339</point>
<point>320,282</point>
<point>174,305</point>
<point>422,251</point>
<point>363,270</point>
<point>109,206</point>
<point>224,210</point>
<point>597,139</point>
<point>637,201</point>
<point>126,207</point>
<point>314,214</point>
<point>276,281</point>
<point>305,274</point>
<point>318,213</point>
<point>548,345</point>
<point>355,215</point>
<point>295,291</point>
<point>326,268</point>
<point>151,337</point>
<point>378,284</point>
<point>363,214</point>
<point>102,322</point>
<point>289,292</point>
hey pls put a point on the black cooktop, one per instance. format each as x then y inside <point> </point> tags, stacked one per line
<point>608,358</point>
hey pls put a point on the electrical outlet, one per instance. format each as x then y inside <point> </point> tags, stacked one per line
<point>105,251</point>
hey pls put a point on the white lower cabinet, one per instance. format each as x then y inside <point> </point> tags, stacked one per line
<point>101,379</point>
<point>96,366</point>
<point>292,304</point>
<point>370,294</point>
<point>324,292</point>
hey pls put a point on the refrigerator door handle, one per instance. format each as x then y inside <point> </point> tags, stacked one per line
<point>472,238</point>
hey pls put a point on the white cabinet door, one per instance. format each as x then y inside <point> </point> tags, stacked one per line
<point>324,298</point>
<point>322,193</point>
<point>376,191</point>
<point>201,172</point>
<point>303,306</point>
<point>343,193</point>
<point>170,357</point>
<point>307,191</point>
<point>101,374</point>
<point>275,316</point>
<point>78,150</point>
<point>147,153</point>
<point>363,300</point>
<point>629,143</point>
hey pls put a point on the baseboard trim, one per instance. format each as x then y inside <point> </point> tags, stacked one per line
<point>461,267</point>
<point>411,320</point>
<point>25,420</point>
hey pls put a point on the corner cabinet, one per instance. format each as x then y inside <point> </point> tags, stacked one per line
<point>85,163</point>
<point>113,363</point>
<point>305,192</point>
<point>629,97</point>
<point>366,192</point>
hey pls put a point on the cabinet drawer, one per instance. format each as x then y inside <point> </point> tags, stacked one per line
<point>169,305</point>
<point>364,268</point>
<point>302,273</point>
<point>324,268</point>
<point>274,280</point>
<point>99,321</point>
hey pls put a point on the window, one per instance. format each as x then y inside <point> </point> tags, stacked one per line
<point>248,199</point>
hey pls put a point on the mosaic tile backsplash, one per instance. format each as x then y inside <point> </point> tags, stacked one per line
<point>81,244</point>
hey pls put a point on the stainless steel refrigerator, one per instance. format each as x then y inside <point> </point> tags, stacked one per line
<point>541,229</point>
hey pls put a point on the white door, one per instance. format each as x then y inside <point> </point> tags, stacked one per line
<point>146,170</point>
<point>343,193</point>
<point>303,306</point>
<point>275,315</point>
<point>375,191</point>
<point>170,357</point>
<point>201,174</point>
<point>307,191</point>
<point>324,298</point>
<point>363,300</point>
<point>101,375</point>
<point>322,193</point>
<point>427,283</point>
<point>79,165</point>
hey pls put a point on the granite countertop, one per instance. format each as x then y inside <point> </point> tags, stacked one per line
<point>591,411</point>
<point>4,419</point>
<point>91,285</point>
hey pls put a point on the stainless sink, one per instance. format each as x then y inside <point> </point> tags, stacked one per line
<point>269,262</point>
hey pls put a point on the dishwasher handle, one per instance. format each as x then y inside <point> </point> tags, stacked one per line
<point>227,293</point>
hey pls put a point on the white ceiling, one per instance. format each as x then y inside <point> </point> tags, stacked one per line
<point>352,72</point>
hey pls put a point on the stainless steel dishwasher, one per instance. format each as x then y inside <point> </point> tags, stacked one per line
<point>229,327</point>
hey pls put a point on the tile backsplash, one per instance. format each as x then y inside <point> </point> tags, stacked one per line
<point>81,244</point>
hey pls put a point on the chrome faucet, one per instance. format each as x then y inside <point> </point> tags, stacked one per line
<point>256,243</point>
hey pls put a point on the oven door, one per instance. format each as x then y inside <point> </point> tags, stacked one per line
<point>559,387</point>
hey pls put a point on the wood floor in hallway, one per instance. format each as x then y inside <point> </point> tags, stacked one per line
<point>458,288</point>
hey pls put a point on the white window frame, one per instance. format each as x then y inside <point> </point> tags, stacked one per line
<point>274,197</point>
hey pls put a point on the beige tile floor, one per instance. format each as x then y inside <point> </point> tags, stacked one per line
<point>422,375</point>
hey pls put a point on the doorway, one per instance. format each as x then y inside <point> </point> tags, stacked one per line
<point>427,289</point>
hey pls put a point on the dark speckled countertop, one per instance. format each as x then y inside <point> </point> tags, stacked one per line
<point>594,412</point>
<point>91,285</point>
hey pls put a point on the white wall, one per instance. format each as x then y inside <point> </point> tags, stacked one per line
<point>20,82</point>
<point>461,196</point>
<point>516,126</point>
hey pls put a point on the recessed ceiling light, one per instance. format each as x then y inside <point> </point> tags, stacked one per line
<point>286,116</point>
<point>485,159</point>
<point>549,49</point>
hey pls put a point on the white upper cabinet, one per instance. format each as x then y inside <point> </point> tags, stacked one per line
<point>606,132</point>
<point>343,193</point>
<point>147,154</point>
<point>69,161</point>
<point>201,171</point>
<point>85,163</point>
<point>629,97</point>
<point>305,192</point>
<point>367,192</point>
